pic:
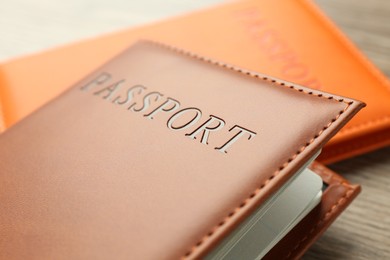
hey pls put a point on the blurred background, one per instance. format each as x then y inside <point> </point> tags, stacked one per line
<point>363,231</point>
<point>28,26</point>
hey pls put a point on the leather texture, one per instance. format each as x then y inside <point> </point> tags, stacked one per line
<point>86,176</point>
<point>337,196</point>
<point>290,39</point>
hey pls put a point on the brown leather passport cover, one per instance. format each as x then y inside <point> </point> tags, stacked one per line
<point>158,154</point>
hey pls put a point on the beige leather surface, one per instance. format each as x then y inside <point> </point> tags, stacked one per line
<point>84,177</point>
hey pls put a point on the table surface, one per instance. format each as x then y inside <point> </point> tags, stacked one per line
<point>363,230</point>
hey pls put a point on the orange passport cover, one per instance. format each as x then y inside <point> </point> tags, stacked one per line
<point>291,40</point>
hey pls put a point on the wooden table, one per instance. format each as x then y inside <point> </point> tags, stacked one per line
<point>363,231</point>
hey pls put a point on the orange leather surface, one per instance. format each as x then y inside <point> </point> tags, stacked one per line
<point>291,40</point>
<point>100,172</point>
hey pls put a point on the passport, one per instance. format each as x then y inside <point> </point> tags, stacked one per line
<point>162,153</point>
<point>291,40</point>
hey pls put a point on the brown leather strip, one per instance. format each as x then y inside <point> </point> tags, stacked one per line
<point>335,199</point>
<point>343,149</point>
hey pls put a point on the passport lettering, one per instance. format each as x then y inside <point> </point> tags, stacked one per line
<point>151,104</point>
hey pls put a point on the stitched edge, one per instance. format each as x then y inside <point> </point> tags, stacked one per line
<point>374,140</point>
<point>345,131</point>
<point>365,124</point>
<point>257,190</point>
<point>363,59</point>
<point>245,72</point>
<point>283,166</point>
<point>367,142</point>
<point>329,213</point>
